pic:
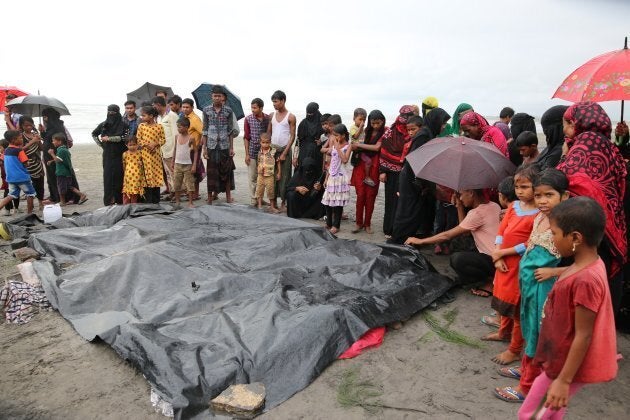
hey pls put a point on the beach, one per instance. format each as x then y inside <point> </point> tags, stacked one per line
<point>50,372</point>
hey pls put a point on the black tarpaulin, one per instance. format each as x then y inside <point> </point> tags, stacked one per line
<point>278,299</point>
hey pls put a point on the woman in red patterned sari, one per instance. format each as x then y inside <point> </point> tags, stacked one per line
<point>596,169</point>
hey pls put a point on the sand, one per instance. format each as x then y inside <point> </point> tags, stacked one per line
<point>50,372</point>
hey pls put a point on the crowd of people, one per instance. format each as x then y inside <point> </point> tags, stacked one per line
<point>548,245</point>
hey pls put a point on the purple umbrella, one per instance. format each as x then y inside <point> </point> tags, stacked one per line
<point>460,163</point>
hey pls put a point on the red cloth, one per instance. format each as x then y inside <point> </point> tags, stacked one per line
<point>395,145</point>
<point>371,339</point>
<point>366,195</point>
<point>512,327</point>
<point>587,288</point>
<point>529,373</point>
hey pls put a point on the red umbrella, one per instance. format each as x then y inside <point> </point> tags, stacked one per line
<point>603,78</point>
<point>8,90</point>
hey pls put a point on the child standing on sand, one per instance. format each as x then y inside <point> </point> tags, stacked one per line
<point>63,168</point>
<point>337,182</point>
<point>514,231</point>
<point>357,135</point>
<point>268,170</point>
<point>577,343</point>
<point>184,167</point>
<point>151,138</point>
<point>17,175</point>
<point>134,181</point>
<point>12,206</point>
<point>537,274</point>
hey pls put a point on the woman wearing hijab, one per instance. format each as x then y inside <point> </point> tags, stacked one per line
<point>366,194</point>
<point>304,191</point>
<point>461,110</point>
<point>109,135</point>
<point>52,125</point>
<point>476,127</point>
<point>416,204</point>
<point>520,122</point>
<point>551,122</point>
<point>394,147</point>
<point>308,133</point>
<point>596,169</point>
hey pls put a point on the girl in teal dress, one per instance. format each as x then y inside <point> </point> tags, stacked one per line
<point>538,272</point>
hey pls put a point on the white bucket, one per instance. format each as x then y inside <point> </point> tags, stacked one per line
<point>52,213</point>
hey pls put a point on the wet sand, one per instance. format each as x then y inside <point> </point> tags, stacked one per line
<point>50,372</point>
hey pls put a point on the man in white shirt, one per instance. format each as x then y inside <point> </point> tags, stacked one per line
<point>168,119</point>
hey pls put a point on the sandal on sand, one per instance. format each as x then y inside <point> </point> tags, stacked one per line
<point>83,199</point>
<point>508,394</point>
<point>510,372</point>
<point>478,291</point>
<point>487,320</point>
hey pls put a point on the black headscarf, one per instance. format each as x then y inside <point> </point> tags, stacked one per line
<point>520,122</point>
<point>431,128</point>
<point>374,115</point>
<point>54,125</point>
<point>306,174</point>
<point>551,122</point>
<point>114,124</point>
<point>312,127</point>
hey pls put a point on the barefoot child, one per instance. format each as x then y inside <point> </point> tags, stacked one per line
<point>268,172</point>
<point>133,181</point>
<point>337,182</point>
<point>63,168</point>
<point>151,138</point>
<point>184,167</point>
<point>17,175</point>
<point>357,135</point>
<point>537,274</point>
<point>577,343</point>
<point>514,231</point>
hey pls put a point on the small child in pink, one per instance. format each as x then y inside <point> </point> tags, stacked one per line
<point>577,343</point>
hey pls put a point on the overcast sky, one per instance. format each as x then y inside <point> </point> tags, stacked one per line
<point>341,54</point>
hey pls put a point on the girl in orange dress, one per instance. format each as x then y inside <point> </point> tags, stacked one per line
<point>134,181</point>
<point>151,137</point>
<point>510,245</point>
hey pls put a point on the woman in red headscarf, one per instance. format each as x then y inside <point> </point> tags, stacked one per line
<point>476,127</point>
<point>395,144</point>
<point>596,169</point>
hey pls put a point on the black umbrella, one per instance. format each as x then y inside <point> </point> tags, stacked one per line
<point>460,163</point>
<point>33,105</point>
<point>147,92</point>
<point>203,98</point>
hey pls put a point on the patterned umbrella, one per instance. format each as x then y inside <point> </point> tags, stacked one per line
<point>203,98</point>
<point>8,90</point>
<point>603,78</point>
<point>146,92</point>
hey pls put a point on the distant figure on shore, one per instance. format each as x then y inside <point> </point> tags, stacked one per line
<point>282,130</point>
<point>110,136</point>
<point>218,139</point>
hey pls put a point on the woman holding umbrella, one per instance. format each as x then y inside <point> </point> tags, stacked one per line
<point>595,168</point>
<point>109,135</point>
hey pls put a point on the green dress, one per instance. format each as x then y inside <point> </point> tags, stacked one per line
<point>541,252</point>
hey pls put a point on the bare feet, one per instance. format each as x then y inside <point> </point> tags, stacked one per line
<point>495,337</point>
<point>506,358</point>
<point>357,229</point>
<point>334,230</point>
<point>274,210</point>
<point>368,229</point>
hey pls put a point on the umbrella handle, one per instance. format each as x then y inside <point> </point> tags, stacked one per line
<point>621,110</point>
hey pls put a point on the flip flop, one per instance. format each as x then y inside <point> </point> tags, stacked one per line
<point>508,394</point>
<point>83,200</point>
<point>510,372</point>
<point>485,320</point>
<point>478,291</point>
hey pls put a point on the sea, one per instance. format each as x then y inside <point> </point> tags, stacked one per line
<point>84,118</point>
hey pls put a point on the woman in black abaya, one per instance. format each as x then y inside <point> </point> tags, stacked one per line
<point>416,203</point>
<point>304,191</point>
<point>109,135</point>
<point>308,133</point>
